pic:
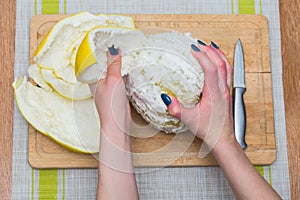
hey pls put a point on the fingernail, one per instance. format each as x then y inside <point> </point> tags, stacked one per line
<point>214,45</point>
<point>113,51</point>
<point>195,48</point>
<point>200,42</point>
<point>166,99</point>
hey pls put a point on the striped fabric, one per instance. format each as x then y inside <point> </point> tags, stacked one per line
<point>166,183</point>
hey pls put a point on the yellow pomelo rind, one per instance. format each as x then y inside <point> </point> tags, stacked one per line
<point>34,73</point>
<point>43,42</point>
<point>86,21</point>
<point>26,110</point>
<point>84,57</point>
<point>69,51</point>
<point>47,40</point>
<point>67,90</point>
<point>58,49</point>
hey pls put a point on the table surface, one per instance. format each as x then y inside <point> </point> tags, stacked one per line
<point>290,42</point>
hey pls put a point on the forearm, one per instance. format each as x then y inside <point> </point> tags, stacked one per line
<point>116,172</point>
<point>244,179</point>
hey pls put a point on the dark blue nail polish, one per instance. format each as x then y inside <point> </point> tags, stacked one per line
<point>214,45</point>
<point>166,99</point>
<point>113,51</point>
<point>195,48</point>
<point>200,42</point>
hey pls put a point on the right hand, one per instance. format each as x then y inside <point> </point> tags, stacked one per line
<point>211,119</point>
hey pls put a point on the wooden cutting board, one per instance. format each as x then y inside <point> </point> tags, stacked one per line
<point>182,149</point>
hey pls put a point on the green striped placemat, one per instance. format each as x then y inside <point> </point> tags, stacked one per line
<point>166,183</point>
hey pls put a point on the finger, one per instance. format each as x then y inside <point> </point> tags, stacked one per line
<point>210,50</point>
<point>223,75</point>
<point>229,69</point>
<point>114,61</point>
<point>174,107</point>
<point>96,87</point>
<point>187,115</point>
<point>223,57</point>
<point>219,62</point>
<point>209,68</point>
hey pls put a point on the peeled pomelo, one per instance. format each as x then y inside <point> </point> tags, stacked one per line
<point>154,61</point>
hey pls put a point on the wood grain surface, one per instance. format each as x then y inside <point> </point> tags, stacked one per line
<point>7,41</point>
<point>182,150</point>
<point>289,21</point>
<point>290,44</point>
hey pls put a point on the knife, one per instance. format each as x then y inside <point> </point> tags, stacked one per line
<point>239,88</point>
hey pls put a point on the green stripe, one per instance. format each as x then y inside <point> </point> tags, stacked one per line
<point>246,6</point>
<point>48,184</point>
<point>48,179</point>
<point>63,184</point>
<point>65,6</point>
<point>260,7</point>
<point>32,184</point>
<point>35,7</point>
<point>270,175</point>
<point>50,6</point>
<point>260,169</point>
<point>232,6</point>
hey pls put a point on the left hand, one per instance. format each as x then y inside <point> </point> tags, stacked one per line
<point>110,95</point>
<point>116,172</point>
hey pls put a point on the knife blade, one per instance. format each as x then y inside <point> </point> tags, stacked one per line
<point>239,88</point>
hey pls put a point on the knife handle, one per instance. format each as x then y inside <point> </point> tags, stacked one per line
<point>239,115</point>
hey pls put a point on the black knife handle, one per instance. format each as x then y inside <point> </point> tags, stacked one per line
<point>239,115</point>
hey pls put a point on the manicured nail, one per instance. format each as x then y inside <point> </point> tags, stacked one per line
<point>200,42</point>
<point>166,99</point>
<point>113,51</point>
<point>195,48</point>
<point>214,45</point>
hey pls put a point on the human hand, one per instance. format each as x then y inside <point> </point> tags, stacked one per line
<point>210,120</point>
<point>110,95</point>
<point>116,172</point>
